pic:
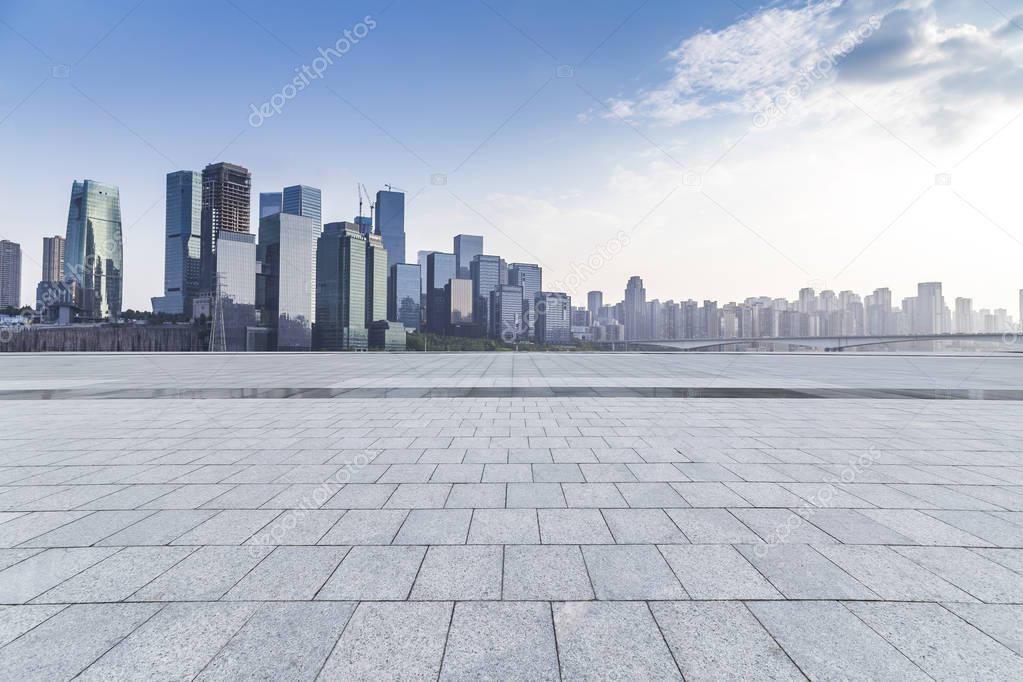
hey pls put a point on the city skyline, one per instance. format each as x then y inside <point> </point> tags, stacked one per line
<point>828,193</point>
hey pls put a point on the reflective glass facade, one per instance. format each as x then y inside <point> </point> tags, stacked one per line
<point>376,279</point>
<point>404,305</point>
<point>553,318</point>
<point>236,291</point>
<point>93,251</point>
<point>486,276</point>
<point>10,274</point>
<point>270,203</point>
<point>506,302</point>
<point>341,288</point>
<point>287,250</point>
<point>467,247</point>
<point>183,226</point>
<point>304,201</point>
<point>459,299</point>
<point>529,277</point>
<point>440,269</point>
<point>390,219</point>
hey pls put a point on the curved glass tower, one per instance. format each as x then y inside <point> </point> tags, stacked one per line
<point>93,254</point>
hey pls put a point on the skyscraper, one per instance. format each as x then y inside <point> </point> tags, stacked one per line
<point>270,203</point>
<point>226,190</point>
<point>594,302</point>
<point>53,259</point>
<point>467,246</point>
<point>304,201</point>
<point>403,303</point>
<point>506,302</point>
<point>964,316</point>
<point>553,318</point>
<point>421,257</point>
<point>390,208</point>
<point>634,307</point>
<point>458,305</point>
<point>10,274</point>
<point>183,245</point>
<point>376,279</point>
<point>341,288</point>
<point>440,268</point>
<point>929,312</point>
<point>287,251</point>
<point>234,302</point>
<point>485,272</point>
<point>530,277</point>
<point>93,252</point>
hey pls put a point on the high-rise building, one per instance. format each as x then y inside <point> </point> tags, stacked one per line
<point>183,243</point>
<point>93,252</point>
<point>390,218</point>
<point>341,288</point>
<point>287,252</point>
<point>594,302</point>
<point>376,280</point>
<point>879,312</point>
<point>1021,310</point>
<point>404,297</point>
<point>421,257</point>
<point>485,273</point>
<point>634,307</point>
<point>53,259</point>
<point>553,318</point>
<point>226,190</point>
<point>530,277</point>
<point>964,316</point>
<point>506,302</point>
<point>270,203</point>
<point>440,269</point>
<point>10,274</point>
<point>233,305</point>
<point>929,312</point>
<point>304,201</point>
<point>458,302</point>
<point>467,246</point>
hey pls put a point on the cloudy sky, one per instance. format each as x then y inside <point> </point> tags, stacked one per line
<point>720,150</point>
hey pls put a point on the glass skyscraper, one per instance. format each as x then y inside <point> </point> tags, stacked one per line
<point>341,288</point>
<point>467,247</point>
<point>530,278</point>
<point>270,203</point>
<point>93,251</point>
<point>304,201</point>
<point>235,300</point>
<point>183,233</point>
<point>376,279</point>
<point>10,274</point>
<point>485,272</point>
<point>553,318</point>
<point>287,251</point>
<point>506,302</point>
<point>404,302</point>
<point>440,269</point>
<point>226,198</point>
<point>390,219</point>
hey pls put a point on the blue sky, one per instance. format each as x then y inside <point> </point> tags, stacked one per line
<point>546,168</point>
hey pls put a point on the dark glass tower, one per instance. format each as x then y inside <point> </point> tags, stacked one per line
<point>390,219</point>
<point>287,251</point>
<point>226,197</point>
<point>93,251</point>
<point>485,272</point>
<point>404,303</point>
<point>467,247</point>
<point>440,269</point>
<point>181,264</point>
<point>304,201</point>
<point>341,288</point>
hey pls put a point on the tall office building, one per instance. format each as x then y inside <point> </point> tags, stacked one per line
<point>403,304</point>
<point>270,203</point>
<point>467,247</point>
<point>287,251</point>
<point>879,312</point>
<point>440,269</point>
<point>530,277</point>
<point>458,305</point>
<point>634,308</point>
<point>182,245</point>
<point>376,279</point>
<point>226,190</point>
<point>506,303</point>
<point>964,316</point>
<point>553,318</point>
<point>53,259</point>
<point>594,302</point>
<point>233,306</point>
<point>10,274</point>
<point>421,257</point>
<point>304,201</point>
<point>341,288</point>
<point>93,252</point>
<point>390,217</point>
<point>485,273</point>
<point>929,312</point>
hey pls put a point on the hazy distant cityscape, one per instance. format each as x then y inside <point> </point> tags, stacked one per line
<point>299,284</point>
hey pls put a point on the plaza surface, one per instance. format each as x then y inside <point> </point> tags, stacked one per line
<point>511,516</point>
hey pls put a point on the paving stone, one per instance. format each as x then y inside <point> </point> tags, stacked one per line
<point>800,572</point>
<point>117,577</point>
<point>631,572</point>
<point>288,573</point>
<point>781,526</point>
<point>504,526</point>
<point>545,572</point>
<point>709,494</point>
<point>177,643</point>
<point>1001,622</point>
<point>943,645</point>
<point>374,573</point>
<point>970,572</point>
<point>17,620</point>
<point>717,572</point>
<point>205,574</point>
<point>573,527</point>
<point>471,572</point>
<point>88,530</point>
<point>28,526</point>
<point>828,642</point>
<point>391,641</point>
<point>361,496</point>
<point>648,495</point>
<point>29,578</point>
<point>507,473</point>
<point>535,495</point>
<point>923,529</point>
<point>611,640</point>
<point>711,526</point>
<point>84,632</point>
<point>501,640</point>
<point>365,527</point>
<point>891,575</point>
<point>297,527</point>
<point>849,526</point>
<point>434,527</point>
<point>162,528</point>
<point>721,640</point>
<point>643,526</point>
